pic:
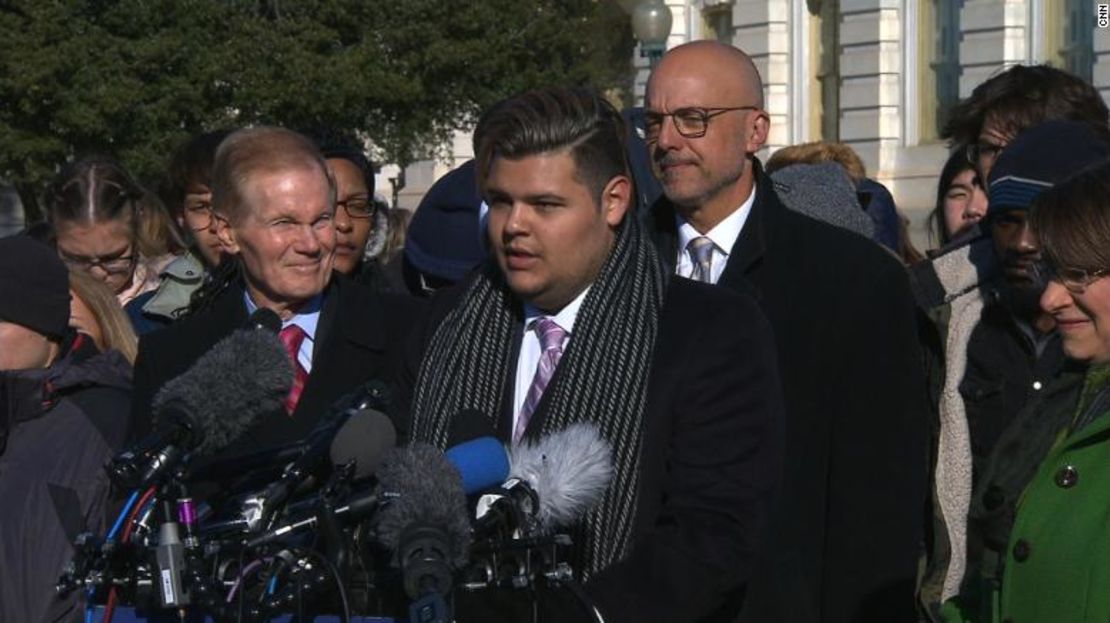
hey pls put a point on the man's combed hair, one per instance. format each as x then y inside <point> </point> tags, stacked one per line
<point>262,149</point>
<point>551,120</point>
<point>1024,96</point>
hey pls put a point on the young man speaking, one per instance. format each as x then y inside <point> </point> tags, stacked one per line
<point>575,320</point>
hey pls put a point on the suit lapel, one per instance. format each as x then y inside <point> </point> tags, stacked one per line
<point>348,349</point>
<point>752,243</point>
<point>228,312</point>
<point>504,423</point>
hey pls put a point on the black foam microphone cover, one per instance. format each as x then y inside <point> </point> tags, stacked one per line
<point>264,318</point>
<point>364,439</point>
<point>468,425</point>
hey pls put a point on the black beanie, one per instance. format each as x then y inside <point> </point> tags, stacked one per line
<point>1038,159</point>
<point>445,237</point>
<point>34,286</point>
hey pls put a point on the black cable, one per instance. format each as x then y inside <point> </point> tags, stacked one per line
<point>338,583</point>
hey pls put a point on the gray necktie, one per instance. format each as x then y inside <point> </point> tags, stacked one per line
<point>701,253</point>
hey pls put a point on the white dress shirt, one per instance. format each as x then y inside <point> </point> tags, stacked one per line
<point>724,236</point>
<point>529,359</point>
<point>307,320</point>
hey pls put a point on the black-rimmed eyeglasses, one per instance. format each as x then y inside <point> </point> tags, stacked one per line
<point>690,122</point>
<point>357,206</point>
<point>112,265</point>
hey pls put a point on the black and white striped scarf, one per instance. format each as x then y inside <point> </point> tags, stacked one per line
<point>601,378</point>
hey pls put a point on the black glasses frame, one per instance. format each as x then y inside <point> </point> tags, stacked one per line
<point>701,116</point>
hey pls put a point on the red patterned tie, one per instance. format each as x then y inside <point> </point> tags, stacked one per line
<point>291,337</point>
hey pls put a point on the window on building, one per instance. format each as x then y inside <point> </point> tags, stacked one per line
<point>825,59</point>
<point>938,27</point>
<point>1070,36</point>
<point>717,21</point>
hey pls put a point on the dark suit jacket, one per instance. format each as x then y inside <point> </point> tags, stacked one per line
<point>360,336</point>
<point>846,533</point>
<point>710,462</point>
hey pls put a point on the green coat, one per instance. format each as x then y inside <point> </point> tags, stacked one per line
<point>1058,561</point>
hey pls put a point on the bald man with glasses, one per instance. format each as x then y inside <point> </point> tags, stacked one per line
<point>847,529</point>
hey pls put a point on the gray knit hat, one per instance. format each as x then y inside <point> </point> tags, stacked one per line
<point>824,192</point>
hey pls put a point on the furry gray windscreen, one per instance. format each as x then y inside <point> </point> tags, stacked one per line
<point>569,471</point>
<point>429,492</point>
<point>241,379</point>
<point>601,378</point>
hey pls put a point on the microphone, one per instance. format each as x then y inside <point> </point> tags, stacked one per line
<point>319,442</point>
<point>468,425</point>
<point>426,526</point>
<point>479,464</point>
<point>264,318</point>
<point>363,440</point>
<point>240,379</point>
<point>552,483</point>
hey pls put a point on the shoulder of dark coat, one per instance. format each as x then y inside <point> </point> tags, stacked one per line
<point>100,389</point>
<point>841,258</point>
<point>688,302</point>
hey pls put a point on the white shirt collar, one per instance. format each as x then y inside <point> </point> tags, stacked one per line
<point>725,233</point>
<point>306,319</point>
<point>564,318</point>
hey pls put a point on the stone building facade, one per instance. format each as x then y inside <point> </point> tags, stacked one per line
<point>880,74</point>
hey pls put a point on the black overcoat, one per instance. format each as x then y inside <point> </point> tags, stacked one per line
<point>709,465</point>
<point>360,336</point>
<point>847,530</point>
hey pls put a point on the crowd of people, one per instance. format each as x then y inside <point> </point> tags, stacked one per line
<point>811,420</point>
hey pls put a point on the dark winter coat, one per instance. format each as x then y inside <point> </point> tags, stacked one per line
<point>62,425</point>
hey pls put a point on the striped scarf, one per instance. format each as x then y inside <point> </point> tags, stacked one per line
<point>602,376</point>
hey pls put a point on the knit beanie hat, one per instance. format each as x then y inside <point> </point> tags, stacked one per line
<point>444,239</point>
<point>1038,159</point>
<point>34,286</point>
<point>825,192</point>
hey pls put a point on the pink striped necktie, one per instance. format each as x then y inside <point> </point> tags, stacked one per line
<point>551,337</point>
<point>292,337</point>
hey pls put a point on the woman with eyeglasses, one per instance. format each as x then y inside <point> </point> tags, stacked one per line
<point>107,225</point>
<point>1056,563</point>
<point>361,227</point>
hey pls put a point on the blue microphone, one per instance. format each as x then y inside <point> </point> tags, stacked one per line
<point>482,463</point>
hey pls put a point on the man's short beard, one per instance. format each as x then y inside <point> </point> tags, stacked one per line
<point>696,202</point>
